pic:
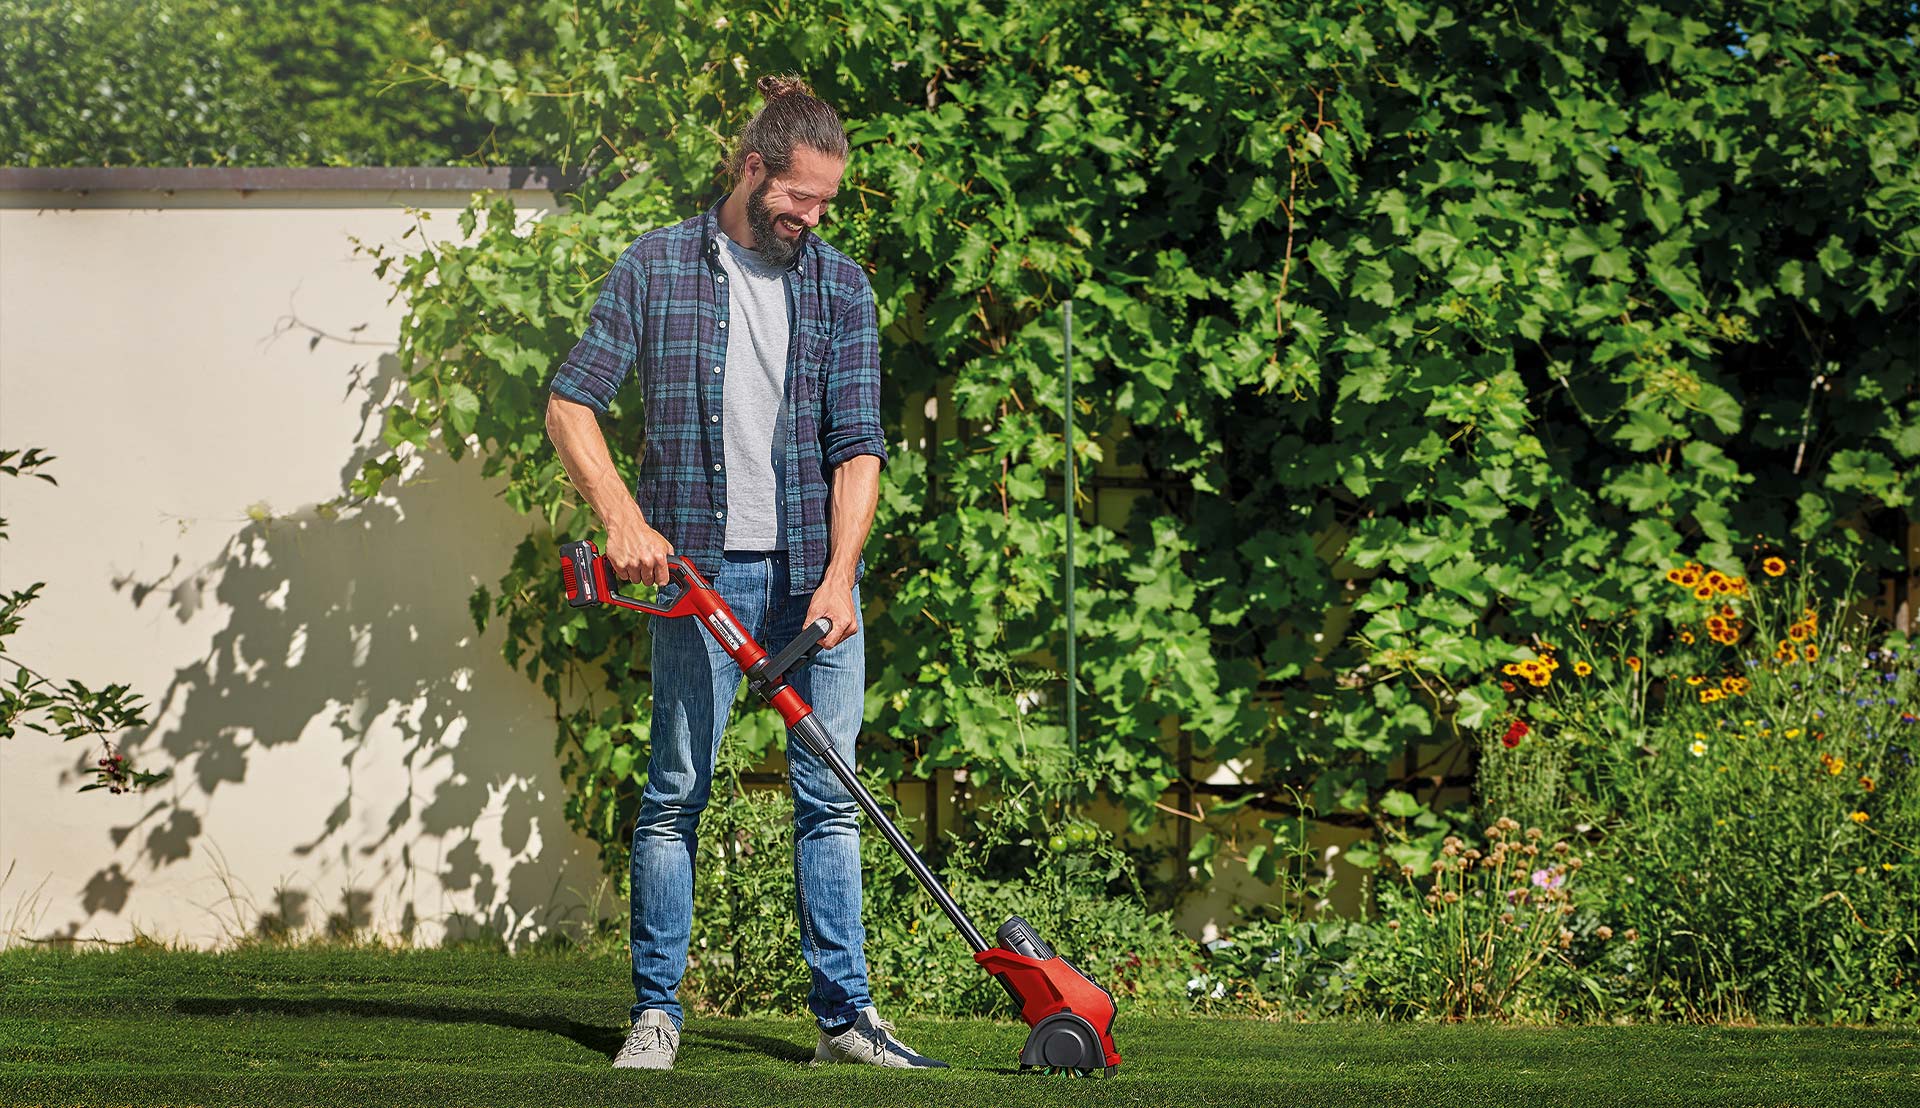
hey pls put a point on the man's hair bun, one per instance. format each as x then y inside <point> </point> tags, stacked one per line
<point>791,117</point>
<point>773,88</point>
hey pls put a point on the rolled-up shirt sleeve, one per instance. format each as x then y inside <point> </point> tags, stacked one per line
<point>850,419</point>
<point>605,354</point>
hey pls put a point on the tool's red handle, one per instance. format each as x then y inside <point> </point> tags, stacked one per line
<point>590,579</point>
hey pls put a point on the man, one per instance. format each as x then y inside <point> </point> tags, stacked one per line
<point>758,357</point>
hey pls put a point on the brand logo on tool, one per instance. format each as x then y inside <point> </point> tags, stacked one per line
<point>728,630</point>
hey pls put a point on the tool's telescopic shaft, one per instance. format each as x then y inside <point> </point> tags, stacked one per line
<point>814,736</point>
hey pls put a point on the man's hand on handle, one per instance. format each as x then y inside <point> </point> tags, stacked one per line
<point>637,552</point>
<point>835,601</point>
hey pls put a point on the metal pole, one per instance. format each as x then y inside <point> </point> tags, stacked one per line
<point>1066,324</point>
<point>810,731</point>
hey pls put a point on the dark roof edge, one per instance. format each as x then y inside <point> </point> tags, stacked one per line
<point>264,178</point>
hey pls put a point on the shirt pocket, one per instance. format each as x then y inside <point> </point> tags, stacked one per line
<point>816,353</point>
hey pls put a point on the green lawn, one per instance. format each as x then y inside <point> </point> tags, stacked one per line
<point>356,1027</point>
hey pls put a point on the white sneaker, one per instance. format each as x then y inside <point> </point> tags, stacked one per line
<point>870,1041</point>
<point>651,1044</point>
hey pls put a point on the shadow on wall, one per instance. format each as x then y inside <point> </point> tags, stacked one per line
<point>356,631</point>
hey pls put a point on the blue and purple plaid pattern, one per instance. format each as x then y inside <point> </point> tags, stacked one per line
<point>664,307</point>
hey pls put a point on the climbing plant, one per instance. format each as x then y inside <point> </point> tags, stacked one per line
<point>1426,329</point>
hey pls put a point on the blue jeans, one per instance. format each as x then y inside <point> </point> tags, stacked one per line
<point>694,685</point>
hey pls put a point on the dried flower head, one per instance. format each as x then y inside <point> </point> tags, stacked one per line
<point>1604,932</point>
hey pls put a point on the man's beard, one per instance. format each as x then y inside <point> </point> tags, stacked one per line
<point>774,250</point>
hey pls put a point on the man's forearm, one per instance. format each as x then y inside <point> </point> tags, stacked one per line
<point>854,495</point>
<point>576,436</point>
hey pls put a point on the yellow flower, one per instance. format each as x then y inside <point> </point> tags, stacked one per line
<point>1858,817</point>
<point>1686,637</point>
<point>1774,567</point>
<point>1510,669</point>
<point>1813,652</point>
<point>1697,748</point>
<point>1708,696</point>
<point>1582,668</point>
<point>1695,679</point>
<point>1633,663</point>
<point>1703,592</point>
<point>1887,866</point>
<point>1837,767</point>
<point>1793,732</point>
<point>1541,679</point>
<point>1738,586</point>
<point>1866,783</point>
<point>1798,632</point>
<point>1674,575</point>
<point>1718,581</point>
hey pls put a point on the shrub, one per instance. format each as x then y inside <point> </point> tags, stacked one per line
<point>1740,763</point>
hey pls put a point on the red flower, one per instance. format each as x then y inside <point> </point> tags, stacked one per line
<point>1515,733</point>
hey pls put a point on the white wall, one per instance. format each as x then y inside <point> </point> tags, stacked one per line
<point>342,740</point>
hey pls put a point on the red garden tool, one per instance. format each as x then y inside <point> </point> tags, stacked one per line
<point>1071,1017</point>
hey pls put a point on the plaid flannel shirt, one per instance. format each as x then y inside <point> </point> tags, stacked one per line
<point>664,307</point>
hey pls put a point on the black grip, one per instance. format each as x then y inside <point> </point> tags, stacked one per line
<point>801,650</point>
<point>677,566</point>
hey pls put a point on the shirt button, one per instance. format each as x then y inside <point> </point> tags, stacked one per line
<point>723,323</point>
<point>721,278</point>
<point>716,369</point>
<point>716,467</point>
<point>718,515</point>
<point>713,419</point>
